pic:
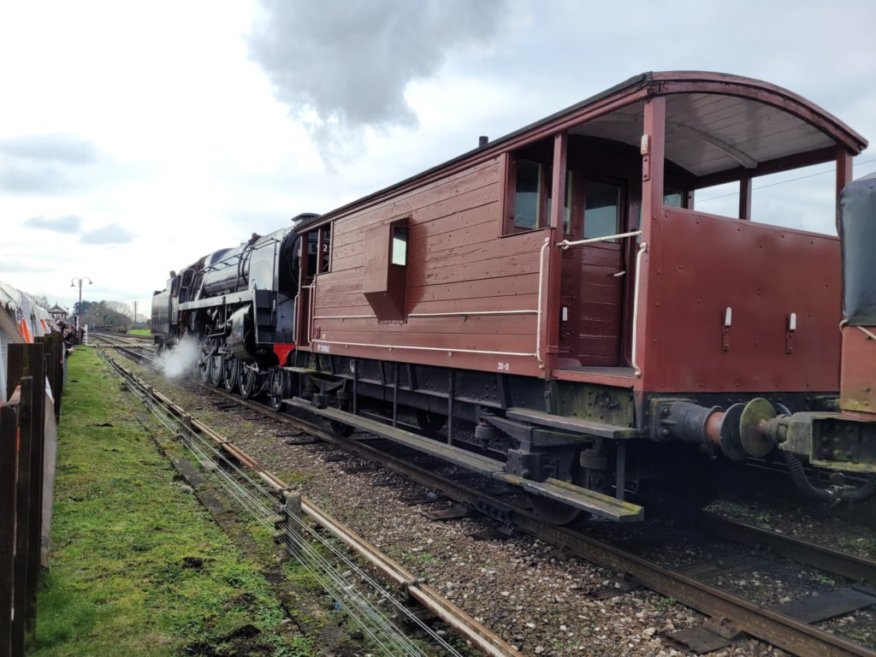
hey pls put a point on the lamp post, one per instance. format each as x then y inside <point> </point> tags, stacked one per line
<point>73,282</point>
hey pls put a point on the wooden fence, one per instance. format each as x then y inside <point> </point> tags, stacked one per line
<point>22,477</point>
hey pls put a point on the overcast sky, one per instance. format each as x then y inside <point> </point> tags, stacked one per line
<point>137,136</point>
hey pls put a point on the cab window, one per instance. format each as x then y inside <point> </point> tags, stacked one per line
<point>602,206</point>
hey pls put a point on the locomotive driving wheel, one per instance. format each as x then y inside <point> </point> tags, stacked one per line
<point>229,373</point>
<point>276,390</point>
<point>204,362</point>
<point>247,379</point>
<point>217,369</point>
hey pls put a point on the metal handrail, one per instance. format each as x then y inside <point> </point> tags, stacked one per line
<point>565,244</point>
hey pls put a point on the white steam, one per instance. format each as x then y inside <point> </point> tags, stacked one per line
<point>181,360</point>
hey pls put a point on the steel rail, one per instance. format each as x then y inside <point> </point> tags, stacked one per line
<point>481,637</point>
<point>819,556</point>
<point>770,626</point>
<point>371,621</point>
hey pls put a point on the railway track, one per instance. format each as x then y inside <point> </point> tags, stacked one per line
<point>137,348</point>
<point>731,614</point>
<point>117,340</point>
<point>303,542</point>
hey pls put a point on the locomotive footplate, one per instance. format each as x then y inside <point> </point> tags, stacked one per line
<point>598,504</point>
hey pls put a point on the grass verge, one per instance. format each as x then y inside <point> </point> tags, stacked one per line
<point>139,568</point>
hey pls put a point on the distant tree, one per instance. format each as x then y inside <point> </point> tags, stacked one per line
<point>119,307</point>
<point>42,300</point>
<point>84,309</point>
<point>103,314</point>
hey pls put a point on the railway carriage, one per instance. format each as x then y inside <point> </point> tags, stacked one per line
<point>553,311</point>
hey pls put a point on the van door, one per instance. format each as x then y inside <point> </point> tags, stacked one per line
<point>594,276</point>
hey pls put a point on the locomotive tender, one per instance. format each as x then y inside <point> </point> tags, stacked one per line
<point>551,310</point>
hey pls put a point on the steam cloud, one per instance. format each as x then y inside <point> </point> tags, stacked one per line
<point>349,61</point>
<point>181,360</point>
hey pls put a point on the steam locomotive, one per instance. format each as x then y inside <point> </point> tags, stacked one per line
<point>551,310</point>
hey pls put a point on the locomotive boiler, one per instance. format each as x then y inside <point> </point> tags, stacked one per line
<point>552,310</point>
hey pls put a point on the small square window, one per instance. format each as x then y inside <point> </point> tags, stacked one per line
<point>399,245</point>
<point>529,195</point>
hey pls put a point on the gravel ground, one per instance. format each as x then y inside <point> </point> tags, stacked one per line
<point>520,587</point>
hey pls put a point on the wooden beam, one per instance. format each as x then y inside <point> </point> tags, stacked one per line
<point>653,156</point>
<point>653,165</point>
<point>554,258</point>
<point>745,197</point>
<point>843,178</point>
<point>783,163</point>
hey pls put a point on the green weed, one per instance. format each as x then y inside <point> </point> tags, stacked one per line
<point>139,568</point>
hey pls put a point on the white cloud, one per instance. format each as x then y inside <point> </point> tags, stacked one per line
<point>67,224</point>
<point>153,125</point>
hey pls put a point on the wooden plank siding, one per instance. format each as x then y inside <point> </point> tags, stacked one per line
<point>458,262</point>
<point>435,201</point>
<point>601,294</point>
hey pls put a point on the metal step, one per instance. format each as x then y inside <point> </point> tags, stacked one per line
<point>300,370</point>
<point>573,424</point>
<point>598,504</point>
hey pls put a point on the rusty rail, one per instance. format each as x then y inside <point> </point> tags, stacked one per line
<point>824,558</point>
<point>427,596</point>
<point>769,626</point>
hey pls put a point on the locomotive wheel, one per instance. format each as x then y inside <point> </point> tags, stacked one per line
<point>204,365</point>
<point>275,390</point>
<point>229,371</point>
<point>217,369</point>
<point>202,372</point>
<point>247,380</point>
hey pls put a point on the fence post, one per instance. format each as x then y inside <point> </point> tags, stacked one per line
<point>22,510</point>
<point>27,365</point>
<point>290,525</point>
<point>14,366</point>
<point>8,468</point>
<point>54,367</point>
<point>37,468</point>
